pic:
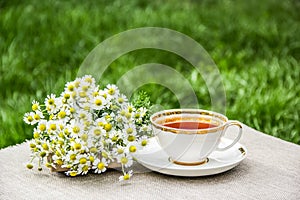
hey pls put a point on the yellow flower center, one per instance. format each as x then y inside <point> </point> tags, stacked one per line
<point>95,94</point>
<point>36,135</point>
<point>100,165</point>
<point>130,138</point>
<point>35,107</point>
<point>104,155</point>
<point>92,158</point>
<point>77,146</point>
<point>29,166</point>
<point>98,102</point>
<point>97,132</point>
<point>93,150</point>
<point>129,130</point>
<point>62,114</point>
<point>126,177</point>
<point>51,102</point>
<point>88,79</point>
<point>72,110</point>
<point>144,143</point>
<point>84,137</point>
<point>71,87</point>
<point>76,129</point>
<point>73,173</point>
<point>120,151</point>
<point>124,160</point>
<point>115,138</point>
<point>114,107</point>
<point>48,165</point>
<point>43,154</point>
<point>45,146</point>
<point>42,127</point>
<point>77,83</point>
<point>29,118</point>
<point>66,131</point>
<point>53,127</point>
<point>128,115</point>
<point>59,162</point>
<point>107,127</point>
<point>132,149</point>
<point>67,96</point>
<point>137,115</point>
<point>82,160</point>
<point>120,100</point>
<point>73,157</point>
<point>61,135</point>
<point>85,168</point>
<point>85,88</point>
<point>82,94</point>
<point>111,91</point>
<point>123,112</point>
<point>82,115</point>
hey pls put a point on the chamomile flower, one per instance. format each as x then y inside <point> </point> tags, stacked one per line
<point>143,141</point>
<point>98,102</point>
<point>96,91</point>
<point>100,165</point>
<point>118,150</point>
<point>144,129</point>
<point>83,169</point>
<point>70,87</point>
<point>89,79</point>
<point>76,127</point>
<point>122,99</point>
<point>97,131</point>
<point>50,101</point>
<point>72,156</point>
<point>35,106</point>
<point>125,159</point>
<point>77,145</point>
<point>67,98</point>
<point>83,159</point>
<point>71,173</point>
<point>42,126</point>
<point>130,129</point>
<point>29,118</point>
<point>126,176</point>
<point>112,90</point>
<point>52,126</point>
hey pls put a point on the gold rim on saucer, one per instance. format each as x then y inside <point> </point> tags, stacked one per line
<point>189,164</point>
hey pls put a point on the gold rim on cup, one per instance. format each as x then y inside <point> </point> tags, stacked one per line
<point>167,113</point>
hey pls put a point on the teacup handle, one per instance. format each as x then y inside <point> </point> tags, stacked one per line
<point>232,123</point>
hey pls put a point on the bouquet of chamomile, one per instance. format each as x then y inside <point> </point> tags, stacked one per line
<point>88,129</point>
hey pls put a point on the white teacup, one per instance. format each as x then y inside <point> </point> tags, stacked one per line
<point>188,136</point>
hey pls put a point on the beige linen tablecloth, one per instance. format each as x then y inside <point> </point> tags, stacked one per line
<point>270,171</point>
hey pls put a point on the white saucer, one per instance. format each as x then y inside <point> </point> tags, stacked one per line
<point>153,157</point>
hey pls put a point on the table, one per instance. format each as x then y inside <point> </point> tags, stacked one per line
<point>270,171</point>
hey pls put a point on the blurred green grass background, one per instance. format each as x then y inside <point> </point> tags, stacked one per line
<point>255,44</point>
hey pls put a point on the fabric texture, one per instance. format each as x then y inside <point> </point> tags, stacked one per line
<point>270,171</point>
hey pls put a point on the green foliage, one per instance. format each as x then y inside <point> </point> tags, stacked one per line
<point>255,44</point>
<point>142,99</point>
